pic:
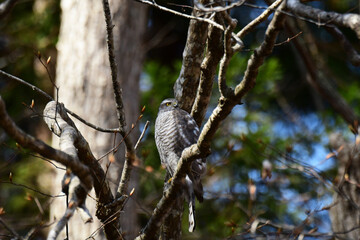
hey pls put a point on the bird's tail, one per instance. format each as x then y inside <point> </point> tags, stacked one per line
<point>192,213</point>
<point>191,201</point>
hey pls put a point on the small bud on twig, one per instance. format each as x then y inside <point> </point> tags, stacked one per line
<point>132,192</point>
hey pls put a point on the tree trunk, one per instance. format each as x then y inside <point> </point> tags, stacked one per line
<point>345,212</point>
<point>83,75</point>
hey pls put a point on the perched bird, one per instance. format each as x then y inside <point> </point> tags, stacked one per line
<point>175,130</point>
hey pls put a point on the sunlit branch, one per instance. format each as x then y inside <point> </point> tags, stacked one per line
<point>77,190</point>
<point>154,4</point>
<point>262,17</point>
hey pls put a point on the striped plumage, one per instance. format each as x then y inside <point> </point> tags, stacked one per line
<point>175,130</point>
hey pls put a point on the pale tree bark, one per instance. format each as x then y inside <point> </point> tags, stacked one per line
<point>345,213</point>
<point>84,78</point>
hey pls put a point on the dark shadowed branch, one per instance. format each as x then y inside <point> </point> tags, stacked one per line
<point>322,85</point>
<point>349,20</point>
<point>351,53</point>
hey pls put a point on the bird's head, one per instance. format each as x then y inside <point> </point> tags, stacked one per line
<point>168,104</point>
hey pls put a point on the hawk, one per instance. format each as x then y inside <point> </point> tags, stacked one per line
<point>175,130</point>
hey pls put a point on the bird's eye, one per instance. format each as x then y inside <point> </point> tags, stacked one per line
<point>168,104</point>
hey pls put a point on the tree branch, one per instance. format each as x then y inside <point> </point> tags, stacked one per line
<point>12,231</point>
<point>105,209</point>
<point>42,148</point>
<point>77,190</point>
<point>207,20</point>
<point>257,58</point>
<point>6,76</point>
<point>130,153</point>
<point>262,17</point>
<point>323,87</point>
<point>225,91</point>
<point>349,20</point>
<point>208,70</point>
<point>187,83</point>
<point>351,53</point>
<point>116,85</point>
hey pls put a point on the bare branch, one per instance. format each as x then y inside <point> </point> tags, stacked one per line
<point>142,135</point>
<point>30,188</point>
<point>187,83</point>
<point>130,153</point>
<point>351,53</point>
<point>43,149</point>
<point>207,20</point>
<point>263,16</point>
<point>225,91</point>
<point>259,55</point>
<point>326,90</point>
<point>4,76</point>
<point>349,20</point>
<point>12,231</point>
<point>208,70</point>
<point>116,85</point>
<point>77,189</point>
<point>77,196</point>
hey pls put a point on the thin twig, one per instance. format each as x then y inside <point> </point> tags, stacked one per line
<point>12,231</point>
<point>32,189</point>
<point>288,39</point>
<point>142,135</point>
<point>4,75</point>
<point>113,66</point>
<point>154,4</point>
<point>262,17</point>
